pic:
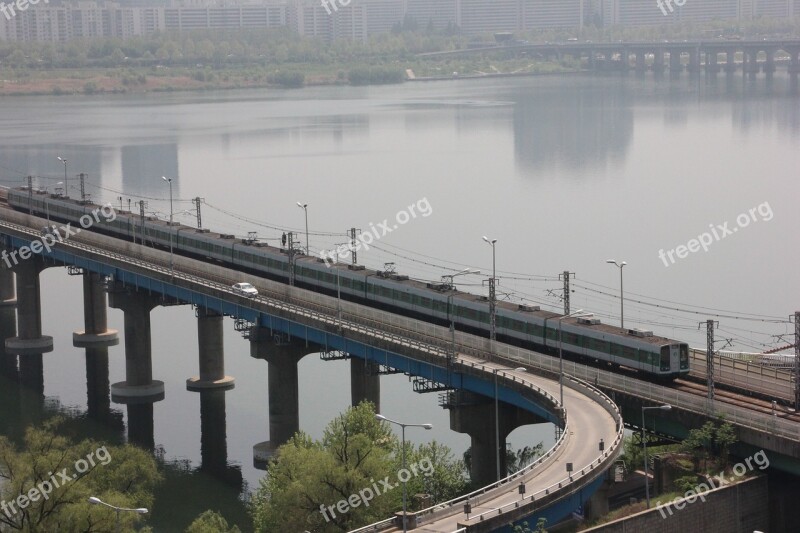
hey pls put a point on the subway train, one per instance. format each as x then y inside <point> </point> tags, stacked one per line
<point>585,339</point>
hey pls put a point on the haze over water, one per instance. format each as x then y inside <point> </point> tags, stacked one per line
<point>565,172</point>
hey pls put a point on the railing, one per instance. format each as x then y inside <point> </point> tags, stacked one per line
<point>745,375</point>
<point>431,335</point>
<point>415,334</point>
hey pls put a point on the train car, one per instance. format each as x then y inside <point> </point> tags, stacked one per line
<point>524,326</point>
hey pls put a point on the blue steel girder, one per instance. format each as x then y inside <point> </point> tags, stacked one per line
<point>242,308</point>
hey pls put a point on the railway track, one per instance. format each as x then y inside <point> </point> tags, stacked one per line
<point>733,398</point>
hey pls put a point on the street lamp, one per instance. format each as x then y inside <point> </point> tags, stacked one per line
<point>665,407</point>
<point>497,419</point>
<point>492,295</point>
<point>304,207</point>
<point>97,501</point>
<point>621,301</point>
<point>575,314</point>
<point>66,187</point>
<point>404,426</point>
<point>450,313</point>
<point>171,262</point>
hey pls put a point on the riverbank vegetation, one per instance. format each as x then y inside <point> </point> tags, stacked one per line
<point>224,59</point>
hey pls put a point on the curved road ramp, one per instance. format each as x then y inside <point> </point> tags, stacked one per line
<point>561,480</point>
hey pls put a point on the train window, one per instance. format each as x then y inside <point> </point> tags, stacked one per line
<point>684,356</point>
<point>569,338</point>
<point>629,353</point>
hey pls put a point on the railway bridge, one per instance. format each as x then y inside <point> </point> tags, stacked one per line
<point>285,323</point>
<point>711,55</point>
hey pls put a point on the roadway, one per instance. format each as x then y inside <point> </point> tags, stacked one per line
<point>590,416</point>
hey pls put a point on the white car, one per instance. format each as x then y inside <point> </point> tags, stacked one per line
<point>245,289</point>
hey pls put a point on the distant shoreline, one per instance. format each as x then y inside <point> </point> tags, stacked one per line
<point>108,82</point>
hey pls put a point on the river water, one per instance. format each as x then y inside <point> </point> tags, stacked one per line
<point>566,172</point>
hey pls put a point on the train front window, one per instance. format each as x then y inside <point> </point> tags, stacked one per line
<point>684,356</point>
<point>665,358</point>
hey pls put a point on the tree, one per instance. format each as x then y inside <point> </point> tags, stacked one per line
<point>307,481</point>
<point>525,528</point>
<point>710,440</point>
<point>47,485</point>
<point>446,478</point>
<point>211,522</point>
<point>352,477</point>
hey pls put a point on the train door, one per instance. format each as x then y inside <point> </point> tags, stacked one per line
<point>675,357</point>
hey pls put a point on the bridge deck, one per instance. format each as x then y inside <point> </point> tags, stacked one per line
<point>590,415</point>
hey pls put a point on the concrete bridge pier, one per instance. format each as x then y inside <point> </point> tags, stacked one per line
<point>640,64</point>
<point>139,385</point>
<point>8,295</point>
<point>712,66</point>
<point>211,353</point>
<point>29,310</point>
<point>95,315</point>
<point>283,391</point>
<point>597,505</point>
<point>694,61</point>
<point>625,59</point>
<point>474,415</point>
<point>140,425</point>
<point>730,61</point>
<point>31,374</point>
<point>794,62</point>
<point>365,382</point>
<point>214,438</point>
<point>675,66</point>
<point>751,62</point>
<point>769,65</point>
<point>658,61</point>
<point>8,328</point>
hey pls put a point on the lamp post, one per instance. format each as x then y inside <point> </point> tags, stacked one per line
<point>492,295</point>
<point>621,301</point>
<point>66,187</point>
<point>665,407</point>
<point>97,501</point>
<point>497,419</point>
<point>450,314</point>
<point>304,207</point>
<point>171,261</point>
<point>404,426</point>
<point>575,314</point>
